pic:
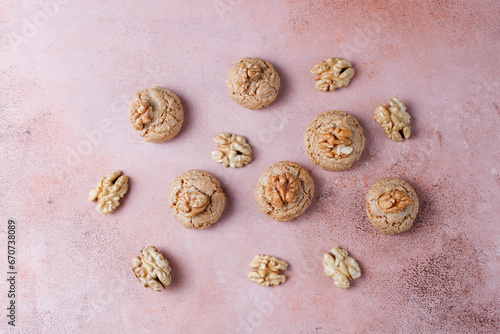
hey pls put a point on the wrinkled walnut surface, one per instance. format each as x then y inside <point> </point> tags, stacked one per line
<point>397,217</point>
<point>253,83</point>
<point>152,269</point>
<point>232,151</point>
<point>282,189</point>
<point>341,267</point>
<point>333,73</point>
<point>335,142</point>
<point>299,189</point>
<point>339,156</point>
<point>109,191</point>
<point>394,119</point>
<point>268,269</point>
<point>198,184</point>
<point>156,114</point>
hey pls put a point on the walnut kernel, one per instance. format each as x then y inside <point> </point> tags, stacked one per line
<point>395,201</point>
<point>192,203</point>
<point>335,142</point>
<point>341,267</point>
<point>394,119</point>
<point>109,191</point>
<point>152,269</point>
<point>268,268</point>
<point>232,151</point>
<point>247,72</point>
<point>282,189</point>
<point>333,73</point>
<point>142,114</point>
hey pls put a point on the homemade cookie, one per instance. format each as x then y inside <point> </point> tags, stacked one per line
<point>391,205</point>
<point>285,191</point>
<point>156,114</point>
<point>334,140</point>
<point>253,83</point>
<point>196,199</point>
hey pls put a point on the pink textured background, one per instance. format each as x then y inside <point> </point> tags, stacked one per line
<point>65,84</point>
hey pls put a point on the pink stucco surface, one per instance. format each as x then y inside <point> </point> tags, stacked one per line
<point>68,71</point>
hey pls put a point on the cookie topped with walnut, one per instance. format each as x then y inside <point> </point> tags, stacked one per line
<point>334,140</point>
<point>156,114</point>
<point>391,205</point>
<point>253,83</point>
<point>284,191</point>
<point>196,199</point>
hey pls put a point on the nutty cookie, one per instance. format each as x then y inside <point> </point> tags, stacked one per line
<point>285,191</point>
<point>196,199</point>
<point>334,140</point>
<point>253,83</point>
<point>156,114</point>
<point>391,205</point>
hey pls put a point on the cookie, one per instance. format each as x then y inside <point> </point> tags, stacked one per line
<point>391,205</point>
<point>334,140</point>
<point>253,83</point>
<point>196,199</point>
<point>284,191</point>
<point>156,114</point>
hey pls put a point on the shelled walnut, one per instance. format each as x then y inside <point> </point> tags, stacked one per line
<point>394,119</point>
<point>341,267</point>
<point>335,142</point>
<point>395,201</point>
<point>268,268</point>
<point>333,73</point>
<point>247,72</point>
<point>152,269</point>
<point>282,189</point>
<point>109,191</point>
<point>142,113</point>
<point>232,151</point>
<point>192,203</point>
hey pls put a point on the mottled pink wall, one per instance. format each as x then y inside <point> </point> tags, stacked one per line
<point>64,89</point>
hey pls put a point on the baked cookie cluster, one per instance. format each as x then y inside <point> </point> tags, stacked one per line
<point>334,140</point>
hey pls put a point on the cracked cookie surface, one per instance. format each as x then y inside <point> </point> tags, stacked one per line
<point>334,140</point>
<point>285,190</point>
<point>196,199</point>
<point>392,205</point>
<point>253,83</point>
<point>156,114</point>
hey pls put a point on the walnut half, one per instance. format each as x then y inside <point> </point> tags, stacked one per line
<point>192,203</point>
<point>142,113</point>
<point>232,151</point>
<point>341,267</point>
<point>395,201</point>
<point>333,73</point>
<point>152,269</point>
<point>268,268</point>
<point>394,119</point>
<point>335,142</point>
<point>282,189</point>
<point>109,191</point>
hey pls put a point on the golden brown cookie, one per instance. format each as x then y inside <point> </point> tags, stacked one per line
<point>196,199</point>
<point>156,114</point>
<point>334,140</point>
<point>253,83</point>
<point>285,191</point>
<point>391,205</point>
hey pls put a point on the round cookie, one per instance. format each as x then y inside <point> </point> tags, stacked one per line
<point>391,205</point>
<point>334,140</point>
<point>253,83</point>
<point>156,114</point>
<point>285,191</point>
<point>196,199</point>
